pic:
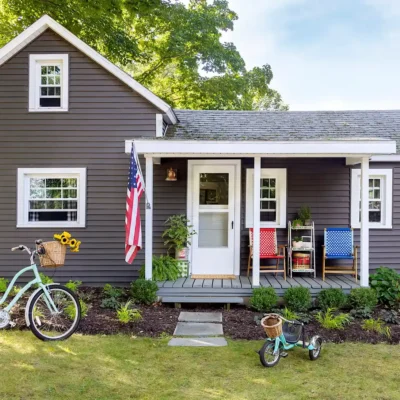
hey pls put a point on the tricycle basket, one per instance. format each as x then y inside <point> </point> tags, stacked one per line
<point>272,324</point>
<point>52,254</point>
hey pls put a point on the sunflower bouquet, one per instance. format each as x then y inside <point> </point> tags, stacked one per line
<point>66,239</point>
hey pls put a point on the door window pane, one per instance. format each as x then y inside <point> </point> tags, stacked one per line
<point>214,189</point>
<point>213,229</point>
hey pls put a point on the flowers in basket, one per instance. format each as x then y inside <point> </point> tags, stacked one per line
<point>66,239</point>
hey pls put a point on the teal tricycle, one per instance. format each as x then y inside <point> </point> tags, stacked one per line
<point>284,335</point>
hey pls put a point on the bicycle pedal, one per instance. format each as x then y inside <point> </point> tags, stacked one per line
<point>284,354</point>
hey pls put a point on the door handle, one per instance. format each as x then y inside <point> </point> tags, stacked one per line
<point>232,224</point>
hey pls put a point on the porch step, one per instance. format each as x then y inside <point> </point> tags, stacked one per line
<point>185,316</point>
<point>198,329</point>
<point>198,342</point>
<point>196,299</point>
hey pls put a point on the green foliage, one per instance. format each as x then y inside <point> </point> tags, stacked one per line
<point>297,299</point>
<point>70,310</point>
<point>386,283</point>
<point>297,222</point>
<point>361,313</point>
<point>125,314</point>
<point>390,316</point>
<point>178,232</point>
<point>329,320</point>
<point>111,297</point>
<point>305,213</point>
<point>15,290</point>
<point>331,298</point>
<point>290,315</point>
<point>3,284</point>
<point>165,268</point>
<point>144,291</point>
<point>172,49</point>
<point>376,325</point>
<point>362,298</point>
<point>73,285</point>
<point>264,299</point>
<point>46,280</point>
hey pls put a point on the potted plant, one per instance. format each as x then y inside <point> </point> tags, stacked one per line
<point>177,235</point>
<point>305,215</point>
<point>297,223</point>
<point>297,243</point>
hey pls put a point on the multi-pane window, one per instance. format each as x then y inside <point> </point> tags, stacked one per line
<point>272,197</point>
<point>48,82</point>
<point>379,198</point>
<point>268,199</point>
<point>50,86</point>
<point>51,197</point>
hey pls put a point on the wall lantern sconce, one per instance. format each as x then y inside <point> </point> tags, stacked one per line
<point>171,175</point>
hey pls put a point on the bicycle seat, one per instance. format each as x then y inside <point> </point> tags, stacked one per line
<point>292,332</point>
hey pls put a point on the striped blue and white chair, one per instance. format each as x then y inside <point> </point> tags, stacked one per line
<point>339,245</point>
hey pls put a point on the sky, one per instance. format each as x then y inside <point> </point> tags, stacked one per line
<point>325,54</point>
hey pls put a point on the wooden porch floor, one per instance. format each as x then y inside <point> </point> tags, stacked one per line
<point>187,290</point>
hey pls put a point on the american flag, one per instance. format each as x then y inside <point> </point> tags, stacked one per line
<point>133,226</point>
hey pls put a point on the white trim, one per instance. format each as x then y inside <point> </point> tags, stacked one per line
<point>364,227</point>
<point>256,221</point>
<point>388,158</point>
<point>35,62</point>
<point>159,125</point>
<point>37,28</point>
<point>22,213</point>
<point>237,191</point>
<point>305,148</point>
<point>387,192</point>
<point>281,178</point>
<point>148,245</point>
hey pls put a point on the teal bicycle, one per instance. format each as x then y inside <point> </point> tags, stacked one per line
<point>285,335</point>
<point>53,312</point>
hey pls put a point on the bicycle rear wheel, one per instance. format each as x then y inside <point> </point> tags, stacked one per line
<point>45,323</point>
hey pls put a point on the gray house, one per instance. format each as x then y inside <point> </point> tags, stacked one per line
<point>68,118</point>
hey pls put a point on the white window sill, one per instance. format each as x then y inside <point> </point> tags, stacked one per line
<point>48,109</point>
<point>271,225</point>
<point>374,227</point>
<point>51,225</point>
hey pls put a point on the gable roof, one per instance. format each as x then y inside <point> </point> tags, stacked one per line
<point>285,125</point>
<point>46,22</point>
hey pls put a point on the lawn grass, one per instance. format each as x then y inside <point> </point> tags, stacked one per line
<point>121,367</point>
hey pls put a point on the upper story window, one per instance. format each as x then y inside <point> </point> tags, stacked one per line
<point>48,82</point>
<point>272,198</point>
<point>51,197</point>
<point>379,195</point>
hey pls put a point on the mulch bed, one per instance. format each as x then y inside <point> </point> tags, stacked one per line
<point>160,319</point>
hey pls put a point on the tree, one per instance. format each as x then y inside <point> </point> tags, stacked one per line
<point>174,50</point>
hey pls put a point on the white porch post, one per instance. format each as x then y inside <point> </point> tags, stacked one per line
<point>149,220</point>
<point>364,226</point>
<point>256,221</point>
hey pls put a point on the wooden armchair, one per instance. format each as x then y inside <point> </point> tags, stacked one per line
<point>339,245</point>
<point>268,250</point>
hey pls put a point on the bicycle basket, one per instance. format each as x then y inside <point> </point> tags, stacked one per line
<point>272,325</point>
<point>54,254</point>
<point>292,332</point>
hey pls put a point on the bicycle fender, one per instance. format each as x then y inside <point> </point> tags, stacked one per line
<point>28,304</point>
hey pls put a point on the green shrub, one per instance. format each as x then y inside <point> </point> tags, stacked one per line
<point>125,314</point>
<point>363,298</point>
<point>290,315</point>
<point>264,299</point>
<point>111,297</point>
<point>165,268</point>
<point>331,298</point>
<point>144,291</point>
<point>386,283</point>
<point>376,325</point>
<point>329,320</point>
<point>298,299</point>
<point>73,285</point>
<point>3,284</point>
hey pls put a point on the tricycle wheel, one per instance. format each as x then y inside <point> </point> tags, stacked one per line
<point>267,356</point>
<point>316,342</point>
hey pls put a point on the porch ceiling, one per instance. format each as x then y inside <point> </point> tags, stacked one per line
<point>222,148</point>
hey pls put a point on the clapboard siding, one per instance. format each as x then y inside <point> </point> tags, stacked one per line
<point>103,112</point>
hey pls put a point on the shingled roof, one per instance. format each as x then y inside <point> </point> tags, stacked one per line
<point>285,125</point>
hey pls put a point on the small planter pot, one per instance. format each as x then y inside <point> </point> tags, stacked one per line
<point>297,245</point>
<point>182,254</point>
<point>307,222</point>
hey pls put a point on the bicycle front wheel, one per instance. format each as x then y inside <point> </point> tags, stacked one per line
<point>46,323</point>
<point>267,356</point>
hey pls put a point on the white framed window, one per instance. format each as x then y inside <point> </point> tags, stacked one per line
<point>380,187</point>
<point>48,82</point>
<point>272,197</point>
<point>51,197</point>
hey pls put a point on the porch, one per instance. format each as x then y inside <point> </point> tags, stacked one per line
<point>238,290</point>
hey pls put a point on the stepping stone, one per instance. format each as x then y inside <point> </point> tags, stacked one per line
<point>200,317</point>
<point>198,329</point>
<point>198,342</point>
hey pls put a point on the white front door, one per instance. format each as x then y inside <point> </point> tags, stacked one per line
<point>213,217</point>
